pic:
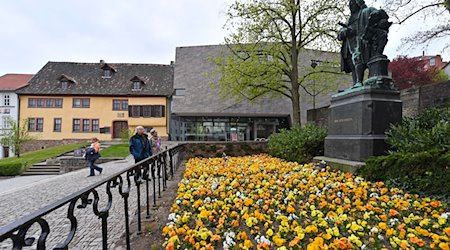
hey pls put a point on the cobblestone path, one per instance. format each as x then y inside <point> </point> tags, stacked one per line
<point>23,201</point>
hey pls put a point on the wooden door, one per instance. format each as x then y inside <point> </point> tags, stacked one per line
<point>118,127</point>
<point>5,152</point>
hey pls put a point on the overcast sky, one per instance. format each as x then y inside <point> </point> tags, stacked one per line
<point>136,31</point>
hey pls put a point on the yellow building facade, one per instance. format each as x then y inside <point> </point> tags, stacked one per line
<point>69,101</point>
<point>97,119</point>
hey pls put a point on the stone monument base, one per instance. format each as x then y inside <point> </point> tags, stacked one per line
<point>339,164</point>
<point>357,123</point>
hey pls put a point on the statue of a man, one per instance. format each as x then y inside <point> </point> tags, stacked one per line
<point>364,36</point>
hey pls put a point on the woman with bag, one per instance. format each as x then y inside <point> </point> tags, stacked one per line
<point>92,154</point>
<point>155,141</point>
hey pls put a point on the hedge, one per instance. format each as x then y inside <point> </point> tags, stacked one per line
<point>11,168</point>
<point>426,172</point>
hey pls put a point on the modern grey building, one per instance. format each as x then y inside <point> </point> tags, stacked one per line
<point>198,112</point>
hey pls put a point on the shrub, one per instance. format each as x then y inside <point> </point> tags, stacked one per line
<point>429,130</point>
<point>125,135</point>
<point>426,172</point>
<point>298,144</point>
<point>11,168</point>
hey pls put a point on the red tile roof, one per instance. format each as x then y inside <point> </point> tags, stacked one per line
<point>14,81</point>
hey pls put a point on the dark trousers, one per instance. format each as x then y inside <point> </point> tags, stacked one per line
<point>92,166</point>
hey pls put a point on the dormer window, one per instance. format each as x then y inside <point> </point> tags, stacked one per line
<point>137,83</point>
<point>432,61</point>
<point>64,85</point>
<point>108,71</point>
<point>65,81</point>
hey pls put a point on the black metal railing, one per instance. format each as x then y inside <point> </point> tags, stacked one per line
<point>156,169</point>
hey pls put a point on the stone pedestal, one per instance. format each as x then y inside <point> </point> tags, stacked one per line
<point>357,123</point>
<point>378,66</point>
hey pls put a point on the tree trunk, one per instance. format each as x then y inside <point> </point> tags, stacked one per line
<point>296,117</point>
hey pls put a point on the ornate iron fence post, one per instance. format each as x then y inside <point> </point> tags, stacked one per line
<point>151,169</point>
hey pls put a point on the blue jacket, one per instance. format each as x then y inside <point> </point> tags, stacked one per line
<point>140,147</point>
<point>91,155</point>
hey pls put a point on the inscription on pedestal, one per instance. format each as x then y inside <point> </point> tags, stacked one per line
<point>343,120</point>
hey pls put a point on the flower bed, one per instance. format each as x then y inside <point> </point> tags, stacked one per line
<point>261,202</point>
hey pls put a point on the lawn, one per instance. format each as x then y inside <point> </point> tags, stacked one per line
<point>41,155</point>
<point>119,150</point>
<point>262,202</point>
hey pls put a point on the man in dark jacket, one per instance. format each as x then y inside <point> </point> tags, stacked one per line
<point>140,146</point>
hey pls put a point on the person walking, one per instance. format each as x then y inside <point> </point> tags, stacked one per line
<point>92,154</point>
<point>155,141</point>
<point>140,146</point>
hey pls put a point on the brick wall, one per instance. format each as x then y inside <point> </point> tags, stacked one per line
<point>435,95</point>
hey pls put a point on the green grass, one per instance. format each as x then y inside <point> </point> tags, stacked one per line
<point>41,155</point>
<point>119,150</point>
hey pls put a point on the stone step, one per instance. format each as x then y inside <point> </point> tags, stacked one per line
<point>44,164</point>
<point>45,167</point>
<point>40,173</point>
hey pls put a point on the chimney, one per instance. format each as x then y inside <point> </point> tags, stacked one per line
<point>102,61</point>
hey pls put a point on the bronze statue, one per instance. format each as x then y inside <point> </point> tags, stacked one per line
<point>364,37</point>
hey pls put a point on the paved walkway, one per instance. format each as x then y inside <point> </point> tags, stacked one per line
<point>9,184</point>
<point>21,201</point>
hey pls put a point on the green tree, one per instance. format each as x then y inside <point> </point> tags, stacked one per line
<point>266,42</point>
<point>16,135</point>
<point>126,134</point>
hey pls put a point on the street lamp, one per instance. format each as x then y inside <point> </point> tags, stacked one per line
<point>314,65</point>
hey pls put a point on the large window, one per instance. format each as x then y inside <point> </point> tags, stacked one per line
<point>49,102</point>
<point>134,111</point>
<point>76,125</point>
<point>120,104</point>
<point>95,125</point>
<point>35,124</point>
<point>146,111</point>
<point>45,102</point>
<point>86,125</point>
<point>57,124</point>
<point>40,103</point>
<point>58,103</point>
<point>157,111</point>
<point>5,123</point>
<point>81,102</point>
